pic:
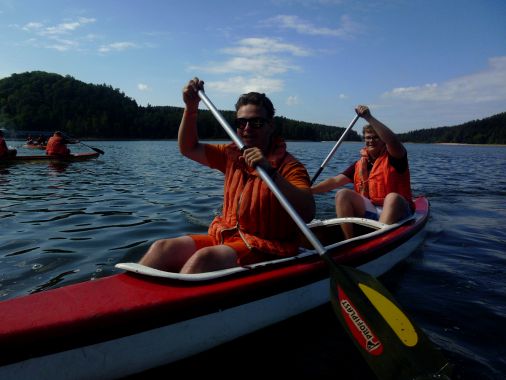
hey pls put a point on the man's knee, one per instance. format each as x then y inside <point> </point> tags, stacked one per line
<point>164,245</point>
<point>395,208</point>
<point>395,200</point>
<point>344,195</point>
<point>158,245</point>
<point>205,254</point>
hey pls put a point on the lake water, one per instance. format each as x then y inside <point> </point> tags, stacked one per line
<point>71,223</point>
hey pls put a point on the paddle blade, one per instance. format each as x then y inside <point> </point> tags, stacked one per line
<point>97,150</point>
<point>391,344</point>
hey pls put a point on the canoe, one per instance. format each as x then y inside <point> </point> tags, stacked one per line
<point>143,318</point>
<point>45,158</point>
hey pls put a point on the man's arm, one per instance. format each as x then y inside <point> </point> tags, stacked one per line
<point>188,139</point>
<point>394,145</point>
<point>330,184</point>
<point>302,199</point>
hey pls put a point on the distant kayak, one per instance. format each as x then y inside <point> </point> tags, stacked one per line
<point>34,146</point>
<point>45,158</point>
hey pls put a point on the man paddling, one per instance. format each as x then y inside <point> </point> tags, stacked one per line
<point>57,145</point>
<point>253,226</point>
<point>382,188</point>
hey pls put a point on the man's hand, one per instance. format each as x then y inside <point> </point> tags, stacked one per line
<point>363,112</point>
<point>190,93</point>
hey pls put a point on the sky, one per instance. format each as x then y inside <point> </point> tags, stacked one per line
<point>416,63</point>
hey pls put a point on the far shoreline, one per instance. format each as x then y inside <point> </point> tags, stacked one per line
<point>467,144</point>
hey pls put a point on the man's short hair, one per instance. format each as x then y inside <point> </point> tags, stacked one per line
<point>368,128</point>
<point>257,99</point>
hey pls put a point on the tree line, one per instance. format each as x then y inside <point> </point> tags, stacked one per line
<point>40,102</point>
<point>491,130</point>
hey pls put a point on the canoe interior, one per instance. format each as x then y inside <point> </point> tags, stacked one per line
<point>332,233</point>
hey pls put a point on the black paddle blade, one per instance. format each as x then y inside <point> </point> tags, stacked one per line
<point>391,344</point>
<point>76,141</point>
<point>97,150</point>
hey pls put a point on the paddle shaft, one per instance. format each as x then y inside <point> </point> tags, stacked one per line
<point>268,180</point>
<point>329,156</point>
<point>99,151</point>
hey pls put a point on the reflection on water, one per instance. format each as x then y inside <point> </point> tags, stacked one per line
<point>71,222</point>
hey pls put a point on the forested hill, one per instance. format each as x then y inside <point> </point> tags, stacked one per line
<point>41,101</point>
<point>491,130</point>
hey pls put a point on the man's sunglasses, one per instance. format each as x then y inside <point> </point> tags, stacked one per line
<point>254,122</point>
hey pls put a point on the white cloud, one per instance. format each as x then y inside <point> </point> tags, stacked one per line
<point>62,45</point>
<point>67,27</point>
<point>59,37</point>
<point>260,65</point>
<point>62,28</point>
<point>33,27</point>
<point>451,102</point>
<point>254,62</point>
<point>248,47</point>
<point>292,101</point>
<point>259,56</point>
<point>64,36</point>
<point>143,87</point>
<point>347,29</point>
<point>488,85</point>
<point>117,46</point>
<point>243,85</point>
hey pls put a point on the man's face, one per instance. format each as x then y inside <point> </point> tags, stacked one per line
<point>253,127</point>
<point>373,143</point>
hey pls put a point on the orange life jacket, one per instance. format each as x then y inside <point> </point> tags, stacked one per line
<point>382,180</point>
<point>252,210</point>
<point>55,145</point>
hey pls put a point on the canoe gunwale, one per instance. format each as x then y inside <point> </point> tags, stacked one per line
<point>73,157</point>
<point>381,229</point>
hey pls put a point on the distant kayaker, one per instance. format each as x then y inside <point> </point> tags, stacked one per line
<point>382,188</point>
<point>41,141</point>
<point>5,151</point>
<point>57,145</point>
<point>253,225</point>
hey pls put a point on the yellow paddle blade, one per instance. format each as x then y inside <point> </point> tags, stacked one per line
<point>397,320</point>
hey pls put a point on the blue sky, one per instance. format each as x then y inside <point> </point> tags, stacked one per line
<point>416,63</point>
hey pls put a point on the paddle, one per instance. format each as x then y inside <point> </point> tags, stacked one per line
<point>100,151</point>
<point>333,150</point>
<point>392,346</point>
